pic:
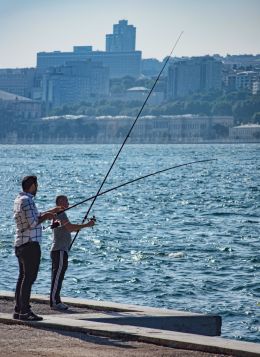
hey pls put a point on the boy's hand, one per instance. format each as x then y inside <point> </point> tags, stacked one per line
<point>92,222</point>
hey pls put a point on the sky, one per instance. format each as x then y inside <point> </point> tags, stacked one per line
<point>210,27</point>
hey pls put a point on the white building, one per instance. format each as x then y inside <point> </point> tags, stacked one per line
<point>256,87</point>
<point>245,80</point>
<point>164,129</point>
<point>248,133</point>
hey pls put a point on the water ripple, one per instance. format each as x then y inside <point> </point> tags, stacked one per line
<point>187,239</point>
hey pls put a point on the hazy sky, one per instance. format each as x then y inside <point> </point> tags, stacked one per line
<point>210,26</point>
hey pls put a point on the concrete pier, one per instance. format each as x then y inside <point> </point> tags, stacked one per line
<point>138,323</point>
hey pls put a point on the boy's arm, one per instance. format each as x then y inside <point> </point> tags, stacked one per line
<point>76,227</point>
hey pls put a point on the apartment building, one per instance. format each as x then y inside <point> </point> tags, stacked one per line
<point>196,74</point>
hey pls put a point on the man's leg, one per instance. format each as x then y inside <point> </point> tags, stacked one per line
<point>17,307</point>
<point>30,259</point>
<point>19,282</point>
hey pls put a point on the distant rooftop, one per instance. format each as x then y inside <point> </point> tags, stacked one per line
<point>244,126</point>
<point>65,116</point>
<point>137,89</point>
<point>12,97</point>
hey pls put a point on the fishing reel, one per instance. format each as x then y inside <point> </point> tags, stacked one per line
<point>93,218</point>
<point>55,224</point>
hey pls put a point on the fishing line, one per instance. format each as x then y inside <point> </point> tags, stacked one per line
<point>125,184</point>
<point>127,136</point>
<point>134,180</point>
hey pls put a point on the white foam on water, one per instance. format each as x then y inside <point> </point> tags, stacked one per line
<point>177,255</point>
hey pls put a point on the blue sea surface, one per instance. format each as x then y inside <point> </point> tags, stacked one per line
<point>187,239</point>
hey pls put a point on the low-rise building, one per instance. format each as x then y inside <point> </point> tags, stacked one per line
<point>245,133</point>
<point>162,129</point>
<point>21,107</point>
<point>19,81</point>
<point>113,130</point>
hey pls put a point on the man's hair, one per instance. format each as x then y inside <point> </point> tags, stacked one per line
<point>58,198</point>
<point>28,181</point>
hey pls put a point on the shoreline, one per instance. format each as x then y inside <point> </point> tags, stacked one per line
<point>65,141</point>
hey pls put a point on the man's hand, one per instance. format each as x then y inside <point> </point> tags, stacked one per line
<point>57,209</point>
<point>47,216</point>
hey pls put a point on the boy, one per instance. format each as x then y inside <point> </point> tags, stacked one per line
<point>59,252</point>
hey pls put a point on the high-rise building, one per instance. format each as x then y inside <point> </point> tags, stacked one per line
<point>122,39</point>
<point>120,56</point>
<point>192,75</point>
<point>75,82</point>
<point>120,64</point>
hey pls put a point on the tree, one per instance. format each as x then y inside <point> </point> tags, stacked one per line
<point>256,118</point>
<point>197,107</point>
<point>222,108</point>
<point>221,131</point>
<point>128,82</point>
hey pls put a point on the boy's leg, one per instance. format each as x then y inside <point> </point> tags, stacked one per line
<point>59,267</point>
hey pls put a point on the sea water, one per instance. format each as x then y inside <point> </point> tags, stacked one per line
<point>187,239</point>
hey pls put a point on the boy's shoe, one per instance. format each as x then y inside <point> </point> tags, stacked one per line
<point>60,306</point>
<point>16,316</point>
<point>30,316</point>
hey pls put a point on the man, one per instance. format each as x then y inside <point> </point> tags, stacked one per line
<point>27,245</point>
<point>59,252</point>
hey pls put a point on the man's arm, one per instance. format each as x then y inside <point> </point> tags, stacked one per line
<point>55,210</point>
<point>30,212</point>
<point>45,216</point>
<point>50,214</point>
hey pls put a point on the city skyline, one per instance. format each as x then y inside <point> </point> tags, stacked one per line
<point>223,27</point>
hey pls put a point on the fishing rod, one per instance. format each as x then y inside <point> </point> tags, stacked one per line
<point>127,136</point>
<point>57,224</point>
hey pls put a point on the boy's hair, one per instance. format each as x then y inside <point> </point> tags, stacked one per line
<point>28,181</point>
<point>58,198</point>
